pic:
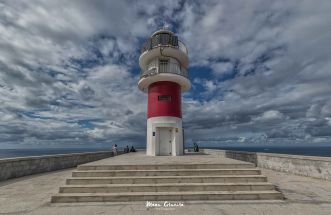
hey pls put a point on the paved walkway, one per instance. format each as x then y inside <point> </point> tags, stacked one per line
<point>141,158</point>
<point>31,195</point>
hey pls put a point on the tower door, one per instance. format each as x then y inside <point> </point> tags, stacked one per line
<point>165,141</point>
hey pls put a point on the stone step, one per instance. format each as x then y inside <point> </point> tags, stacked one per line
<point>169,187</point>
<point>166,196</point>
<point>167,172</point>
<point>167,179</point>
<point>166,166</point>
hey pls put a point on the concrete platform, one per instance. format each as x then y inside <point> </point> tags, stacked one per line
<point>32,194</point>
<point>139,158</point>
<point>186,178</point>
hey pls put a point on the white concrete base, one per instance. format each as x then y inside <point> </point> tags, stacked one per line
<point>164,136</point>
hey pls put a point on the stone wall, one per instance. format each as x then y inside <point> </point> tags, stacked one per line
<point>243,156</point>
<point>317,167</point>
<point>312,166</point>
<point>17,167</point>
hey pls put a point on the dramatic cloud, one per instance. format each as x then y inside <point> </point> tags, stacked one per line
<point>69,70</point>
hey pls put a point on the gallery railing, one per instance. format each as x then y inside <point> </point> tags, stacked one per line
<point>164,39</point>
<point>173,68</point>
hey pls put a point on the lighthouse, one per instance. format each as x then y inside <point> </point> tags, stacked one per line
<point>164,77</point>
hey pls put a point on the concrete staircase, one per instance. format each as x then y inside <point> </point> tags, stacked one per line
<point>166,182</point>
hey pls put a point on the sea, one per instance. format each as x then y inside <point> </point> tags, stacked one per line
<point>10,153</point>
<point>324,151</point>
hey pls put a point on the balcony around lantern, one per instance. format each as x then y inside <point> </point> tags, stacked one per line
<point>150,44</point>
<point>165,72</point>
<point>163,44</point>
<point>182,47</point>
<point>163,39</point>
<point>169,67</point>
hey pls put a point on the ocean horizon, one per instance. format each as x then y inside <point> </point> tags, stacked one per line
<point>324,151</point>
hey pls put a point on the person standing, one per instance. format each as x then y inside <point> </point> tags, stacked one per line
<point>195,147</point>
<point>126,149</point>
<point>114,149</point>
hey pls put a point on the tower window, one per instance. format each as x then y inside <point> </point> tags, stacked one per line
<point>162,98</point>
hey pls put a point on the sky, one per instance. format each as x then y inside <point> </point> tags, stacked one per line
<point>260,71</point>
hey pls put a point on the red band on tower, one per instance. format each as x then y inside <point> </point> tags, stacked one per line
<point>164,99</point>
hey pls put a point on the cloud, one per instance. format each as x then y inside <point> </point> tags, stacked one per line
<point>222,68</point>
<point>271,115</point>
<point>68,70</point>
<point>272,84</point>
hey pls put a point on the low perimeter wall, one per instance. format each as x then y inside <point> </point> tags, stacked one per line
<point>17,167</point>
<point>312,166</point>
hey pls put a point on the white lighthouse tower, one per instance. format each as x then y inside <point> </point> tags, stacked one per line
<point>164,62</point>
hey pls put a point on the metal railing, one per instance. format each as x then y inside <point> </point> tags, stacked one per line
<point>163,39</point>
<point>173,68</point>
<point>182,47</point>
